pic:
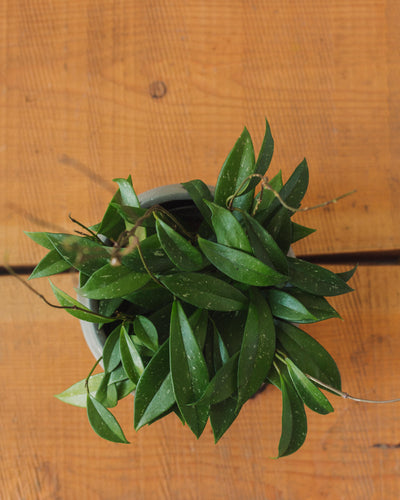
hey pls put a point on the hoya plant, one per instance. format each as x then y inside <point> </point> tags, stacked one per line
<point>201,305</point>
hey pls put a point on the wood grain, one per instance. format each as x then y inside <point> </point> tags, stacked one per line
<point>79,106</point>
<point>47,450</point>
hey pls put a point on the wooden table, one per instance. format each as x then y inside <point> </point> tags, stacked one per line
<point>94,90</point>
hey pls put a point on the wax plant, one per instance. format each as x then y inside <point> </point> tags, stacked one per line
<point>202,307</point>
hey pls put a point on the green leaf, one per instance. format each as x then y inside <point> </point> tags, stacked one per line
<point>151,297</point>
<point>124,388</point>
<point>266,151</point>
<point>111,282</point>
<point>308,392</point>
<point>347,275</point>
<point>182,254</point>
<point>204,291</point>
<point>107,394</point>
<point>103,421</point>
<point>154,256</point>
<point>133,214</point>
<point>82,312</point>
<point>227,228</point>
<point>299,232</point>
<point>239,164</point>
<point>127,193</point>
<point>82,253</point>
<point>188,369</point>
<point>308,354</point>
<point>222,416</point>
<point>260,208</point>
<point>239,265</point>
<point>285,306</point>
<point>131,360</point>
<point>280,228</point>
<point>315,279</point>
<point>258,347</point>
<point>223,384</point>
<point>41,238</point>
<point>318,306</point>
<point>146,332</point>
<point>264,246</point>
<point>200,193</point>
<point>51,264</point>
<point>111,352</point>
<point>199,323</point>
<point>76,395</point>
<point>294,189</point>
<point>221,354</point>
<point>107,307</point>
<point>294,420</point>
<point>154,393</point>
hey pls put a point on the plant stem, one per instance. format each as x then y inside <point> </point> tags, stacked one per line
<point>86,228</point>
<point>345,395</point>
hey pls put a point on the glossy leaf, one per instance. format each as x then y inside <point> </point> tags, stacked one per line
<point>285,306</point>
<point>239,164</point>
<point>103,421</point>
<point>308,392</point>
<point>221,354</point>
<point>299,232</point>
<point>227,228</point>
<point>260,207</point>
<point>264,246</point>
<point>107,307</point>
<point>107,394</point>
<point>188,369</point>
<point>318,306</point>
<point>111,352</point>
<point>347,275</point>
<point>127,193</point>
<point>315,279</point>
<point>131,360</point>
<point>146,332</point>
<point>280,228</point>
<point>308,354</point>
<point>76,395</point>
<point>154,393</point>
<point>110,282</point>
<point>204,291</point>
<point>200,193</point>
<point>82,253</point>
<point>181,252</point>
<point>266,151</point>
<point>51,264</point>
<point>258,347</point>
<point>154,256</point>
<point>294,420</point>
<point>151,297</point>
<point>239,265</point>
<point>199,323</point>
<point>293,190</point>
<point>133,214</point>
<point>40,238</point>
<point>124,388</point>
<point>81,312</point>
<point>222,416</point>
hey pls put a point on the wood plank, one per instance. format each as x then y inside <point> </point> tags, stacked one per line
<point>47,449</point>
<point>82,103</point>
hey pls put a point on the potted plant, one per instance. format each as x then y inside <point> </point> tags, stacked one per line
<point>194,300</point>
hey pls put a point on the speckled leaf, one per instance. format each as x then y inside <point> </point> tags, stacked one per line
<point>285,306</point>
<point>154,393</point>
<point>199,193</point>
<point>222,416</point>
<point>199,323</point>
<point>83,312</point>
<point>258,347</point>
<point>131,360</point>
<point>280,228</point>
<point>315,279</point>
<point>267,196</point>
<point>103,421</point>
<point>110,282</point>
<point>154,256</point>
<point>239,164</point>
<point>227,228</point>
<point>204,291</point>
<point>299,232</point>
<point>294,420</point>
<point>181,252</point>
<point>318,306</point>
<point>107,394</point>
<point>308,354</point>
<point>76,395</point>
<point>146,332</point>
<point>239,265</point>
<point>111,352</point>
<point>51,264</point>
<point>188,369</point>
<point>82,253</point>
<point>127,193</point>
<point>264,246</point>
<point>308,392</point>
<point>41,238</point>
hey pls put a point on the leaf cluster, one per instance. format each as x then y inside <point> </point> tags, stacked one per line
<point>200,312</point>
